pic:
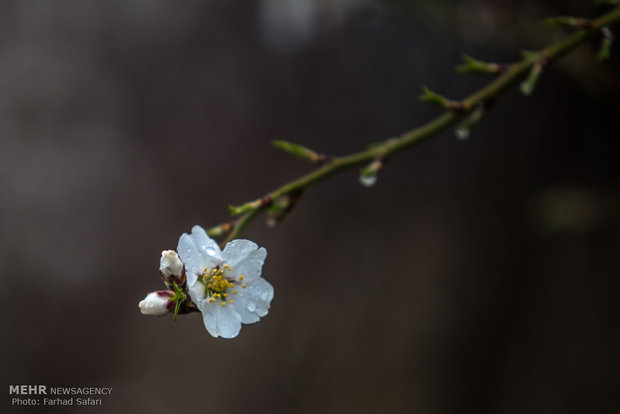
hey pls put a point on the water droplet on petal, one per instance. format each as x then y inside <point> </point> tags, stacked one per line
<point>368,180</point>
<point>211,252</point>
<point>461,133</point>
<point>251,306</point>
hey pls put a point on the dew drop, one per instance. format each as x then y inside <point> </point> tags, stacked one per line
<point>368,180</point>
<point>251,306</point>
<point>461,133</point>
<point>211,252</point>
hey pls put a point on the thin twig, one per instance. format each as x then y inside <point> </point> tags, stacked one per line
<point>492,90</point>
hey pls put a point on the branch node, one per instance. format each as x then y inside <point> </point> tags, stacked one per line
<point>441,101</point>
<point>220,229</point>
<point>300,151</point>
<point>249,206</point>
<point>569,21</point>
<point>282,206</point>
<point>471,65</point>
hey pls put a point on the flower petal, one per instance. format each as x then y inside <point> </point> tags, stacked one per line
<point>206,243</point>
<point>191,256</point>
<point>241,306</point>
<point>196,292</point>
<point>250,265</point>
<point>255,299</point>
<point>237,250</point>
<point>197,251</point>
<point>221,321</point>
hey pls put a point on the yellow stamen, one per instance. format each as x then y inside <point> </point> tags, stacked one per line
<point>243,285</point>
<point>241,277</point>
<point>223,304</point>
<point>216,284</point>
<point>234,292</point>
<point>230,301</point>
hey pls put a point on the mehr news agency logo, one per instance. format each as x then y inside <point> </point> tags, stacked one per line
<point>43,395</point>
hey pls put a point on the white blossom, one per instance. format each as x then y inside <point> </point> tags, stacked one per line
<point>226,285</point>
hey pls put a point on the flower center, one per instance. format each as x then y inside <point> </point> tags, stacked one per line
<point>217,284</point>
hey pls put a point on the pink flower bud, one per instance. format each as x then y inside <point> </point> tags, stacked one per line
<point>157,303</point>
<point>172,269</point>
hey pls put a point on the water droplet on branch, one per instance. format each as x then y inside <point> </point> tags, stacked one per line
<point>368,180</point>
<point>462,133</point>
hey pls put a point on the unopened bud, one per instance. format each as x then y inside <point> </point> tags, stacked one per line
<point>157,303</point>
<point>172,268</point>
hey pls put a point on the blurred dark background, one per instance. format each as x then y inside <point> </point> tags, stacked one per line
<point>477,276</point>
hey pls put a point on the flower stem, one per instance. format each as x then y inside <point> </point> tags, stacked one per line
<point>512,74</point>
<point>240,224</point>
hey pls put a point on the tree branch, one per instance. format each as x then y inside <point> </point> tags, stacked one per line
<point>381,150</point>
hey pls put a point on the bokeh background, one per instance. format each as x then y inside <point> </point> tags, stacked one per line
<point>477,276</point>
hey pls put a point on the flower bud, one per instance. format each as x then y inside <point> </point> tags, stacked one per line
<point>157,303</point>
<point>172,268</point>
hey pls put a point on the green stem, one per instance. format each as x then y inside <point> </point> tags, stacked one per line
<point>492,90</point>
<point>240,224</point>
